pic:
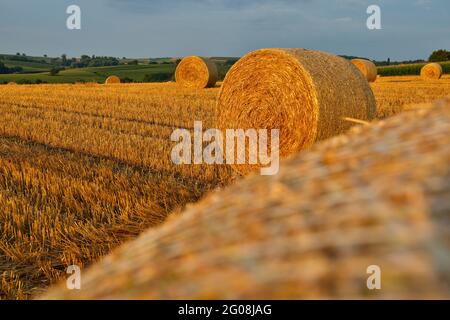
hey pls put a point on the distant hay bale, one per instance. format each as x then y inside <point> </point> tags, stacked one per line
<point>12,83</point>
<point>196,72</point>
<point>306,94</point>
<point>112,80</point>
<point>367,68</point>
<point>431,71</point>
<point>379,195</point>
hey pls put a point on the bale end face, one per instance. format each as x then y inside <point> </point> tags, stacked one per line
<point>112,80</point>
<point>197,73</point>
<point>431,71</point>
<point>305,94</point>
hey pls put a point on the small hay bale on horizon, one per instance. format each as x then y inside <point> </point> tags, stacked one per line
<point>367,68</point>
<point>196,72</point>
<point>431,71</point>
<point>112,80</point>
<point>305,94</point>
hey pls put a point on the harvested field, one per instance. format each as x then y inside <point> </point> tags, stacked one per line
<point>87,167</point>
<point>376,196</point>
<point>84,168</point>
<point>397,94</point>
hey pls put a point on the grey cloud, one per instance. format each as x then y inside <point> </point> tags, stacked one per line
<point>224,27</point>
<point>156,6</point>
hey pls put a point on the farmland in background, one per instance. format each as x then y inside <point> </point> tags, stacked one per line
<point>136,73</point>
<point>409,69</point>
<point>36,70</point>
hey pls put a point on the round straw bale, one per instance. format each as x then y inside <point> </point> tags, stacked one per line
<point>196,72</point>
<point>112,80</point>
<point>367,68</point>
<point>12,83</point>
<point>431,71</point>
<point>305,94</point>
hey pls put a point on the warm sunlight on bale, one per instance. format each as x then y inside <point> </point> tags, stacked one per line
<point>12,83</point>
<point>367,68</point>
<point>112,80</point>
<point>306,94</point>
<point>431,71</point>
<point>196,72</point>
<point>377,196</point>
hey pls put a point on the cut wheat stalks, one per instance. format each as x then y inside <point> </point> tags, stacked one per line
<point>376,196</point>
<point>357,121</point>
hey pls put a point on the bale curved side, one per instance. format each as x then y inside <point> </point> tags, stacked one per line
<point>376,196</point>
<point>367,68</point>
<point>431,71</point>
<point>112,80</point>
<point>196,72</point>
<point>306,94</point>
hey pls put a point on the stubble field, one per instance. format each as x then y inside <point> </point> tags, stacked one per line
<point>86,167</point>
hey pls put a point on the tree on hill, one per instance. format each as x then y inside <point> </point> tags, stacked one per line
<point>5,70</point>
<point>55,70</point>
<point>2,67</point>
<point>439,55</point>
<point>94,61</point>
<point>64,59</point>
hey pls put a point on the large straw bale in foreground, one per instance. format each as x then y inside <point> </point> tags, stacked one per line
<point>196,72</point>
<point>367,68</point>
<point>377,196</point>
<point>112,80</point>
<point>306,94</point>
<point>431,71</point>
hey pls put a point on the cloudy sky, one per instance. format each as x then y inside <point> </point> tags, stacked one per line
<point>159,28</point>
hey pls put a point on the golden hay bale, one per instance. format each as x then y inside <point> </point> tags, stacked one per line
<point>367,68</point>
<point>112,80</point>
<point>379,195</point>
<point>196,72</point>
<point>12,83</point>
<point>431,71</point>
<point>306,94</point>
